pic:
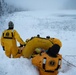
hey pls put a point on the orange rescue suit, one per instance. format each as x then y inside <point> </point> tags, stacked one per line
<point>49,66</point>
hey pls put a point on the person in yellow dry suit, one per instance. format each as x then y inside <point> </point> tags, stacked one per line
<point>0,40</point>
<point>8,40</point>
<point>48,63</point>
<point>52,40</point>
<point>37,45</point>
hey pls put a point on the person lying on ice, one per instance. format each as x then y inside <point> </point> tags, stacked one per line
<point>36,44</point>
<point>48,63</point>
<point>36,51</point>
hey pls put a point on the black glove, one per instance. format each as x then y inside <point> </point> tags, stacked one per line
<point>19,51</point>
<point>22,45</point>
<point>3,48</point>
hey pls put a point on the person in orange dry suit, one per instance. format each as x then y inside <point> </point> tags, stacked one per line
<point>53,40</point>
<point>8,40</point>
<point>49,62</point>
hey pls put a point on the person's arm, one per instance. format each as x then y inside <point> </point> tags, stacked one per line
<point>2,42</point>
<point>36,60</point>
<point>19,39</point>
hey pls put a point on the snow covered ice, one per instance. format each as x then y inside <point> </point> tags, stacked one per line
<point>61,24</point>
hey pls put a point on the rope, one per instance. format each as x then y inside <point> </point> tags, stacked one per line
<point>69,62</point>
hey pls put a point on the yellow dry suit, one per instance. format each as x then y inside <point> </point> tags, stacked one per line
<point>47,65</point>
<point>9,42</point>
<point>34,43</point>
<point>0,40</point>
<point>39,42</point>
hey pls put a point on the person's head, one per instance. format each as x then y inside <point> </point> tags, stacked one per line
<point>38,35</point>
<point>48,37</point>
<point>53,51</point>
<point>10,25</point>
<point>27,40</point>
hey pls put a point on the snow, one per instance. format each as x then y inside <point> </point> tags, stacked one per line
<point>59,24</point>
